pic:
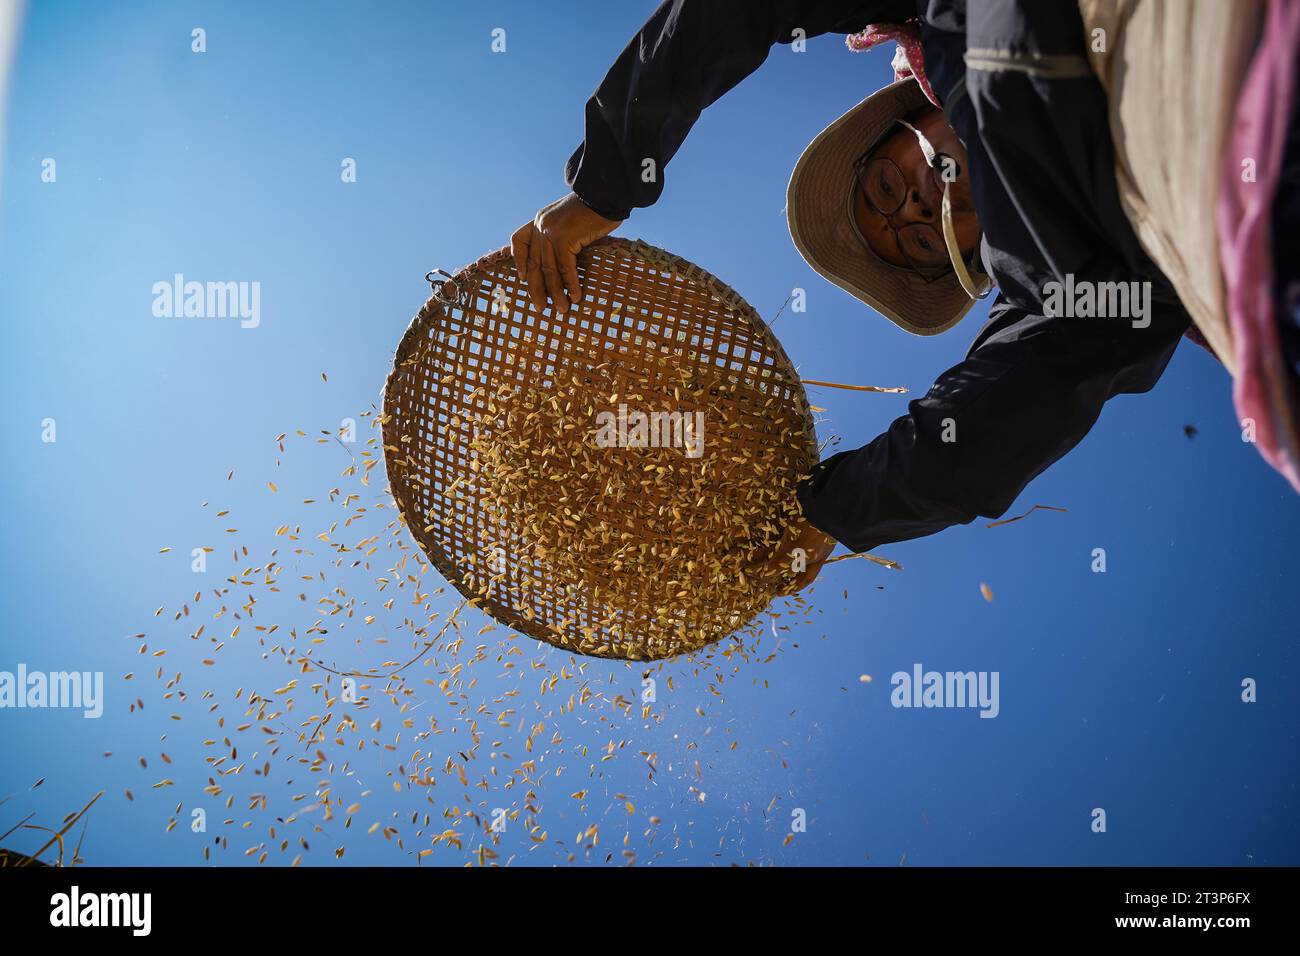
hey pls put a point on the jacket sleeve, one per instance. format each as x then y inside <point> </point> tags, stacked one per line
<point>1028,391</point>
<point>686,56</point>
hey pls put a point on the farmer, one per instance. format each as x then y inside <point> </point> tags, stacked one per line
<point>990,162</point>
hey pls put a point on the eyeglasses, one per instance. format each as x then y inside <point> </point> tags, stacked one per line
<point>885,190</point>
<point>873,180</point>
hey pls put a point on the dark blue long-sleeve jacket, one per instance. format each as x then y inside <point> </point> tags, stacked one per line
<point>1015,85</point>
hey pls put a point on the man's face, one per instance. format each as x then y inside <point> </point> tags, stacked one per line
<point>922,199</point>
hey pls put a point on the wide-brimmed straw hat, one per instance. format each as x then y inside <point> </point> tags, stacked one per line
<point>819,208</point>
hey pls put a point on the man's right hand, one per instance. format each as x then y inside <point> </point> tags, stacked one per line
<point>546,250</point>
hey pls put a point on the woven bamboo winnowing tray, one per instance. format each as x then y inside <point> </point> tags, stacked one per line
<point>601,546</point>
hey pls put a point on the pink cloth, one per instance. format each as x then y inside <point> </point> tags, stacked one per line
<point>1262,391</point>
<point>908,60</point>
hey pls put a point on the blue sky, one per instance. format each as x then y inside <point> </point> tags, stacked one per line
<point>1119,690</point>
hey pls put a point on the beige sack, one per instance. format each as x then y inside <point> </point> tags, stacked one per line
<point>1172,70</point>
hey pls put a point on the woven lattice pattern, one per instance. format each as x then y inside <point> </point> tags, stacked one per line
<point>609,480</point>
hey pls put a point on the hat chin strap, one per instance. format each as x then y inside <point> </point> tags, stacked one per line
<point>973,289</point>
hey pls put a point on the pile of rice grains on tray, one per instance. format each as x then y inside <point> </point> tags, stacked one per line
<point>615,480</point>
<point>621,547</point>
